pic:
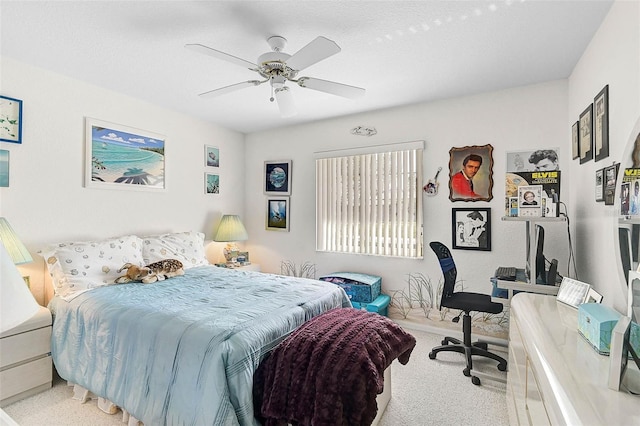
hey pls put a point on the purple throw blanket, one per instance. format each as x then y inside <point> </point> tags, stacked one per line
<point>329,370</point>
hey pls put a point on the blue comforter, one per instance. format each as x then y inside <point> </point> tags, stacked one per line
<point>183,351</point>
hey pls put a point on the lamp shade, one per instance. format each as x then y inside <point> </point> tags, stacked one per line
<point>16,302</point>
<point>14,247</point>
<point>230,229</point>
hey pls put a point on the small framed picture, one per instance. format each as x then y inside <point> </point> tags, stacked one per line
<point>601,124</point>
<point>586,135</point>
<point>277,217</point>
<point>610,179</point>
<point>243,257</point>
<point>471,228</point>
<point>575,141</point>
<point>572,292</point>
<point>211,156</point>
<point>625,199</point>
<point>10,119</point>
<point>211,183</point>
<point>530,201</point>
<point>4,168</point>
<point>277,177</point>
<point>600,185</point>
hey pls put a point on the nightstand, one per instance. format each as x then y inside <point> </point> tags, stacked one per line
<point>25,358</point>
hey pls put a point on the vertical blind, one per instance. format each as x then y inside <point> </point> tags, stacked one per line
<point>370,203</point>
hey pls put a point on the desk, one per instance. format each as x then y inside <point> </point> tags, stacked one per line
<point>504,290</point>
<point>555,377</point>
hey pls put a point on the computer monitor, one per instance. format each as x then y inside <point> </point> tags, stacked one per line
<point>541,266</point>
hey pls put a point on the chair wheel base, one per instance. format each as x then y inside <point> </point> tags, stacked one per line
<point>432,355</point>
<point>502,367</point>
<point>475,380</point>
<point>467,372</point>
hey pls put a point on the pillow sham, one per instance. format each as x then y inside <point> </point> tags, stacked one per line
<point>187,247</point>
<point>76,267</point>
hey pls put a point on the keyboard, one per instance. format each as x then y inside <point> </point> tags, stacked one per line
<point>507,273</point>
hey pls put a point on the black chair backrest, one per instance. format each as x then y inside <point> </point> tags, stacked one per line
<point>448,267</point>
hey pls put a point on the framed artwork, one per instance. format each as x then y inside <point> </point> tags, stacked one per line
<point>211,183</point>
<point>625,199</point>
<point>586,135</point>
<point>277,218</point>
<point>575,141</point>
<point>610,178</point>
<point>122,157</point>
<point>600,185</point>
<point>4,168</point>
<point>601,124</point>
<point>277,177</point>
<point>530,201</point>
<point>538,160</point>
<point>10,120</point>
<point>572,292</point>
<point>471,173</point>
<point>471,228</point>
<point>211,156</point>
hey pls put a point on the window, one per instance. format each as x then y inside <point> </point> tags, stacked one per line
<point>370,202</point>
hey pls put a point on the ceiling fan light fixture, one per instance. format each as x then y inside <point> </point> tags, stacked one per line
<point>285,102</point>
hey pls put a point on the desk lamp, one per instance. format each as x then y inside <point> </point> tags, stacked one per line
<point>16,301</point>
<point>230,230</point>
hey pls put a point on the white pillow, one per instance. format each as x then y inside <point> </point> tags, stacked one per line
<point>187,247</point>
<point>76,267</point>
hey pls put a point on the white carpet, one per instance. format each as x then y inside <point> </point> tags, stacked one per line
<point>424,392</point>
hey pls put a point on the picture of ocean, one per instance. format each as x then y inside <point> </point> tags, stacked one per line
<point>126,158</point>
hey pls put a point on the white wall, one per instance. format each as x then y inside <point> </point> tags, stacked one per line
<point>613,58</point>
<point>46,201</point>
<point>521,118</point>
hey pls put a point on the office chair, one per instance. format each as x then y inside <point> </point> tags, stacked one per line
<point>466,302</point>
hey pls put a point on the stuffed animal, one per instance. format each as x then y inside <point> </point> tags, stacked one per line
<point>151,273</point>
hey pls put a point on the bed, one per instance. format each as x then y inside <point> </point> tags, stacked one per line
<point>179,351</point>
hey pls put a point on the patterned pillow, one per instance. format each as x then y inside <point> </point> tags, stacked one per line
<point>76,267</point>
<point>187,247</point>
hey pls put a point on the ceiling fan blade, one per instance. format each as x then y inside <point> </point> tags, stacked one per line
<point>221,55</point>
<point>332,87</point>
<point>319,49</point>
<point>227,89</point>
<point>285,102</point>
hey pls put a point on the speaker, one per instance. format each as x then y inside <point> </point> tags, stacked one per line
<point>553,271</point>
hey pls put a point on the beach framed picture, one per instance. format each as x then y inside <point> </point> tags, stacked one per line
<point>122,157</point>
<point>10,120</point>
<point>277,218</point>
<point>211,156</point>
<point>211,183</point>
<point>277,177</point>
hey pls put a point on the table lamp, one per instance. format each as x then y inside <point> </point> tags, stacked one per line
<point>16,301</point>
<point>230,230</point>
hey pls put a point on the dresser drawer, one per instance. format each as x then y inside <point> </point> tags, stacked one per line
<point>24,346</point>
<point>25,377</point>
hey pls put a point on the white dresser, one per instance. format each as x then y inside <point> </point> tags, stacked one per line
<point>555,377</point>
<point>25,358</point>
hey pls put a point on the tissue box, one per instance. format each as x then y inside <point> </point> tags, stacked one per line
<point>595,323</point>
<point>380,305</point>
<point>362,288</point>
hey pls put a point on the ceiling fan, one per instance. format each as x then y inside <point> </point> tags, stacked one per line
<point>278,68</point>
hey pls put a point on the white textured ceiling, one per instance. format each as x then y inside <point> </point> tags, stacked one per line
<point>401,52</point>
